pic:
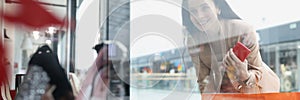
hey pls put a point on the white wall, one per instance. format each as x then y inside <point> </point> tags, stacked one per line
<point>155,25</point>
<point>86,33</point>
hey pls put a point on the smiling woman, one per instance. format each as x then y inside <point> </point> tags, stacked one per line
<point>215,29</point>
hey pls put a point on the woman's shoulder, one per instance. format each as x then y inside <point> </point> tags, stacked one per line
<point>238,25</point>
<point>243,29</point>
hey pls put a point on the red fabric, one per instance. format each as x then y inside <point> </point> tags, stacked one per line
<point>33,15</point>
<point>3,68</point>
<point>13,94</point>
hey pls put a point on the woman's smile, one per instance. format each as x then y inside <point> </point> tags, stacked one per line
<point>203,22</point>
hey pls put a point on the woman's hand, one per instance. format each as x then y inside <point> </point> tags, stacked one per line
<point>235,68</point>
<point>48,94</point>
<point>102,59</point>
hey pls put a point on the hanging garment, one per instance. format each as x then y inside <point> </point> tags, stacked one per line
<point>34,84</point>
<point>45,59</point>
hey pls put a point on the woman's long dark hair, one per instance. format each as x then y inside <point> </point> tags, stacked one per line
<point>226,13</point>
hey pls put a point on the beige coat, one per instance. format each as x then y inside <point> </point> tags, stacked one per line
<point>262,78</point>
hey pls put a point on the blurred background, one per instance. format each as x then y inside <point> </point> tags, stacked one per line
<point>150,54</point>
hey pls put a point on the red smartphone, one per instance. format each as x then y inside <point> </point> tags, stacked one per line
<point>241,51</point>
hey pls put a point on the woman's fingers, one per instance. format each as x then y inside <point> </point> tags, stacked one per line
<point>230,64</point>
<point>48,94</point>
<point>232,56</point>
<point>228,60</point>
<point>234,66</point>
<point>51,89</point>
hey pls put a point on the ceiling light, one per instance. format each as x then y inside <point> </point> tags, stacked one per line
<point>48,42</point>
<point>36,35</point>
<point>51,30</point>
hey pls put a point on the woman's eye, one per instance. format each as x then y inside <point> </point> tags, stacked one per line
<point>194,11</point>
<point>205,8</point>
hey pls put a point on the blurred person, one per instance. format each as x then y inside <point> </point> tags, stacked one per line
<point>75,83</point>
<point>214,30</point>
<point>44,71</point>
<point>74,80</point>
<point>48,93</point>
<point>5,71</point>
<point>4,81</point>
<point>96,84</point>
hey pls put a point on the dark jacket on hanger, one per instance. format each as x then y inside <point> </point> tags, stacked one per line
<point>45,58</point>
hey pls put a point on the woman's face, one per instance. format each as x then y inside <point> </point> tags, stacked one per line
<point>203,14</point>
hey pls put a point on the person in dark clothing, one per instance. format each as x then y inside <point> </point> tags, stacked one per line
<point>46,61</point>
<point>96,82</point>
<point>98,47</point>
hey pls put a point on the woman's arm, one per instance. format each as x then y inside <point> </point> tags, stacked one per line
<point>245,75</point>
<point>254,61</point>
<point>249,72</point>
<point>201,71</point>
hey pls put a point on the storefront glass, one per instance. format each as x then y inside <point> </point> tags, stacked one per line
<point>283,58</point>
